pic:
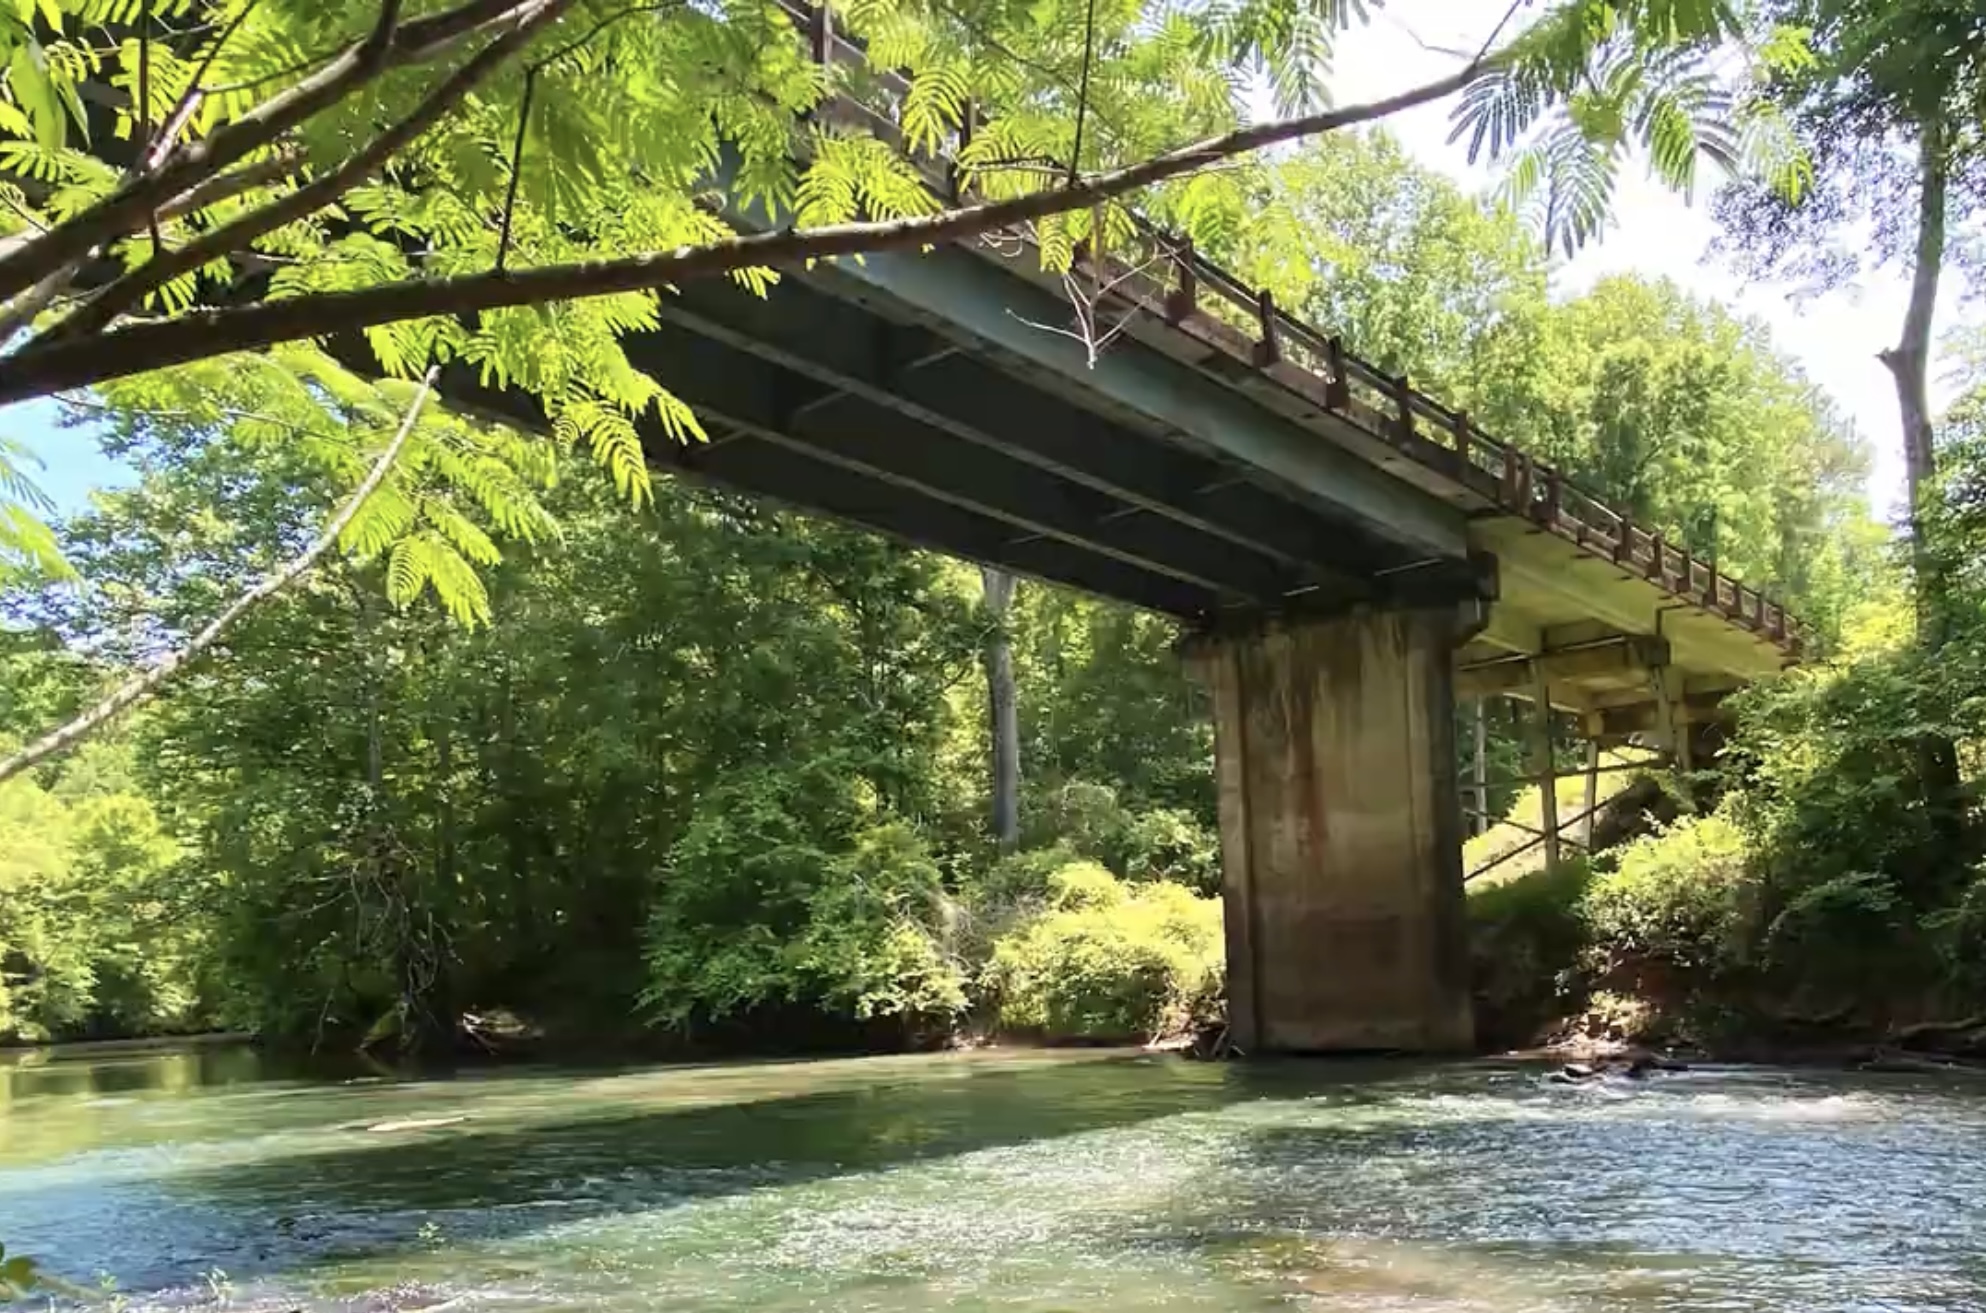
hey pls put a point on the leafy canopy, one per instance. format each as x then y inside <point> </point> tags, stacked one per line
<point>365,188</point>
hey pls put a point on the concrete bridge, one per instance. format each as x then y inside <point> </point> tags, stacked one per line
<point>1350,555</point>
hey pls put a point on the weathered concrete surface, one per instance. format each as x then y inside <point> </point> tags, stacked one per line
<point>1340,836</point>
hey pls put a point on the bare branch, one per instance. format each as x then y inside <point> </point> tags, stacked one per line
<point>229,185</point>
<point>516,168</point>
<point>143,685</point>
<point>320,191</point>
<point>143,126</point>
<point>382,31</point>
<point>39,370</point>
<point>1496,33</point>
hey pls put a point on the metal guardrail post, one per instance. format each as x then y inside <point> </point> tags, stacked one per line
<point>820,26</point>
<point>1337,388</point>
<point>967,121</point>
<point>1184,299</point>
<point>1268,350</point>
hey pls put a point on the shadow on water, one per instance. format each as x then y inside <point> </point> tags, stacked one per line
<point>370,1194</point>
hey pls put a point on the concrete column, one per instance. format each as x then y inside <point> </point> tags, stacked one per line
<point>1544,763</point>
<point>1340,833</point>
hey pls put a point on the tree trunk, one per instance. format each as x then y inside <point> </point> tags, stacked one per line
<point>1479,772</point>
<point>1909,364</point>
<point>1592,792</point>
<point>1003,707</point>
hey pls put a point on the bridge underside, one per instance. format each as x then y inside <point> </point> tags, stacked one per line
<point>839,398</point>
<point>1343,596</point>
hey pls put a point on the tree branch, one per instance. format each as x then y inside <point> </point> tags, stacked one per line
<point>125,210</point>
<point>39,370</point>
<point>320,191</point>
<point>143,685</point>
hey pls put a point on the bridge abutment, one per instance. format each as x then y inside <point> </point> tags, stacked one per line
<point>1340,831</point>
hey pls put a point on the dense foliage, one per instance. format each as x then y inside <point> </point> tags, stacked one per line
<point>1110,961</point>
<point>1832,887</point>
<point>546,151</point>
<point>615,757</point>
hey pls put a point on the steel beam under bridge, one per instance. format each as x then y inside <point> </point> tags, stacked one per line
<point>931,399</point>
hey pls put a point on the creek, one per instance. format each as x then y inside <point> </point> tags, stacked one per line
<point>1010,1180</point>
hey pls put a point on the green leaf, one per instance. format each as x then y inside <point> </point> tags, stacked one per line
<point>28,80</point>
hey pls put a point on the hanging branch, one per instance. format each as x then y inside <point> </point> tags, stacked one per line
<point>132,288</point>
<point>390,45</point>
<point>58,365</point>
<point>143,685</point>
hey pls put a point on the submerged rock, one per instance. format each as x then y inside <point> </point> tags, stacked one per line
<point>1634,1065</point>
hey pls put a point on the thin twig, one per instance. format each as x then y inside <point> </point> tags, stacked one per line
<point>143,128</point>
<point>1496,33</point>
<point>516,168</point>
<point>524,114</point>
<point>143,685</point>
<point>1083,93</point>
<point>189,100</point>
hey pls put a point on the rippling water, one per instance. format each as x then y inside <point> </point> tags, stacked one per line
<point>1012,1181</point>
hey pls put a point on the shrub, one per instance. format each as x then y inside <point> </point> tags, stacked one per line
<point>1109,960</point>
<point>1833,763</point>
<point>1159,843</point>
<point>1526,938</point>
<point>1961,941</point>
<point>782,891</point>
<point>1678,899</point>
<point>1847,938</point>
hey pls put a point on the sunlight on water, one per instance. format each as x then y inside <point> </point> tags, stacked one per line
<point>1011,1181</point>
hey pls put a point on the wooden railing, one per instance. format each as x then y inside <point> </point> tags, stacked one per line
<point>1173,282</point>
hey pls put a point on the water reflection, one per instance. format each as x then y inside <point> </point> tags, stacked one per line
<point>1005,1180</point>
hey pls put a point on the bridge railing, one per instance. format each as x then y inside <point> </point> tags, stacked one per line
<point>1173,282</point>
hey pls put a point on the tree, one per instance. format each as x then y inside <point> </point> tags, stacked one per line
<point>1689,419</point>
<point>1002,708</point>
<point>1351,233</point>
<point>302,169</point>
<point>1891,109</point>
<point>27,548</point>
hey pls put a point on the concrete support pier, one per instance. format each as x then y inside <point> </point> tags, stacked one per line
<point>1341,832</point>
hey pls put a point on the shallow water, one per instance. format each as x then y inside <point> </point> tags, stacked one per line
<point>1012,1181</point>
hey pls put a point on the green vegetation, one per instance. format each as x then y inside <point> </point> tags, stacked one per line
<point>577,140</point>
<point>710,772</point>
<point>625,758</point>
<point>1828,892</point>
<point>1109,960</point>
